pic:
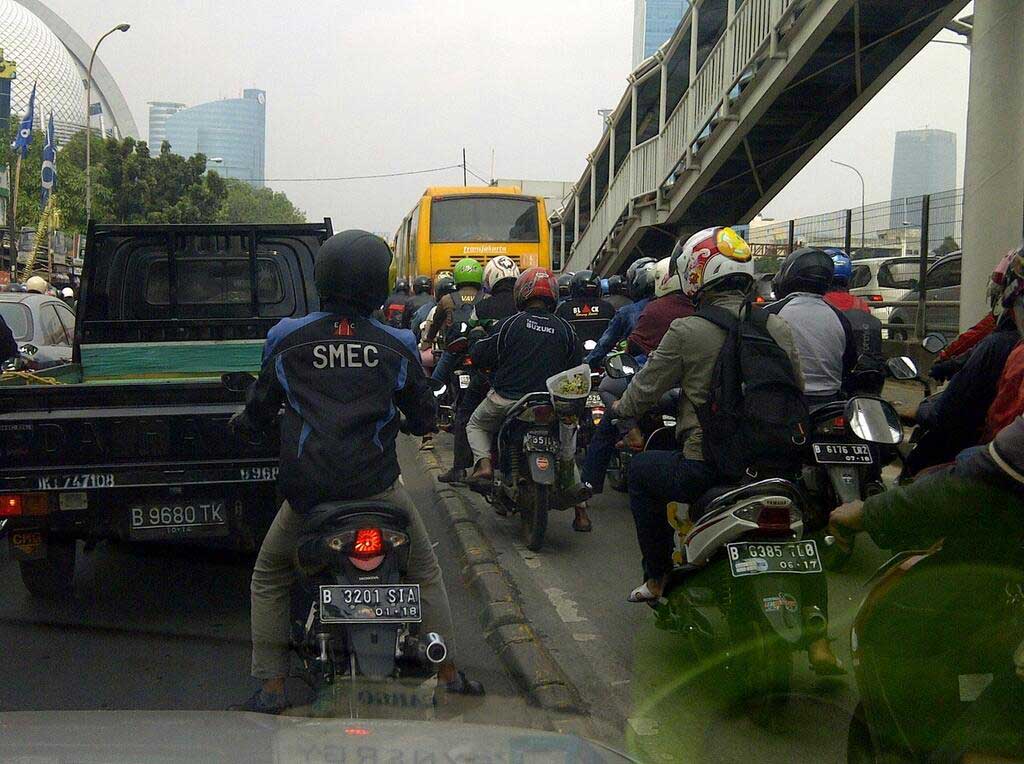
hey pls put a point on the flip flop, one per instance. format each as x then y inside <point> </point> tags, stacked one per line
<point>642,595</point>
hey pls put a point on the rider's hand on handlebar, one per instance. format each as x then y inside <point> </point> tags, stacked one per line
<point>845,522</point>
<point>634,439</point>
<point>240,426</point>
<point>907,411</point>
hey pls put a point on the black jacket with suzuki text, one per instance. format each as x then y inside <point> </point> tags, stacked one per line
<point>343,380</point>
<point>528,348</point>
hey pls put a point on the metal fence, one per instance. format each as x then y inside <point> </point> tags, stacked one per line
<point>921,227</point>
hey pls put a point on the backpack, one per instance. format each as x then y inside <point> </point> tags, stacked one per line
<point>394,311</point>
<point>755,420</point>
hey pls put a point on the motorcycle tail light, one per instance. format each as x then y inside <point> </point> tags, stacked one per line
<point>369,542</point>
<point>19,504</point>
<point>772,518</point>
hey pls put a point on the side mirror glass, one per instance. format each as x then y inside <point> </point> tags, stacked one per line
<point>934,342</point>
<point>874,420</point>
<point>237,381</point>
<point>620,366</point>
<point>28,349</point>
<point>902,368</point>
<point>590,345</point>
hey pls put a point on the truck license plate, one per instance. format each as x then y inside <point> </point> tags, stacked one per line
<point>842,453</point>
<point>392,603</point>
<point>198,518</point>
<point>755,558</point>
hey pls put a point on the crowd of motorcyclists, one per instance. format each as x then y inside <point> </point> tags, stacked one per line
<point>677,319</point>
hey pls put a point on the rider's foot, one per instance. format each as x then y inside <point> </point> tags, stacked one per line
<point>579,493</point>
<point>483,474</point>
<point>454,475</point>
<point>823,661</point>
<point>581,523</point>
<point>262,702</point>
<point>460,684</point>
<point>427,443</point>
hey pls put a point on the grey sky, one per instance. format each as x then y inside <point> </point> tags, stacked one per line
<point>393,85</point>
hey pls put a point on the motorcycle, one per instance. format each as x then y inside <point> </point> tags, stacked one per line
<point>746,568</point>
<point>353,614</point>
<point>938,656</point>
<point>533,459</point>
<point>657,427</point>
<point>457,344</point>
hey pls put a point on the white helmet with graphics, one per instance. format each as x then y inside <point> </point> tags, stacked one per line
<point>499,269</point>
<point>710,257</point>
<point>664,282</point>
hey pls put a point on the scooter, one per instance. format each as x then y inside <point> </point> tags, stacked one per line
<point>938,654</point>
<point>747,571</point>
<point>353,614</point>
<point>534,448</point>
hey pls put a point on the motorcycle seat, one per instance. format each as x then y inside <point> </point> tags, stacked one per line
<point>722,497</point>
<point>700,507</point>
<point>333,513</point>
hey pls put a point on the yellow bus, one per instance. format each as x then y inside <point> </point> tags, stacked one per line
<point>448,224</point>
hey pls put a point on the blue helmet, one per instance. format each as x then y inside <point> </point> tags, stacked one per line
<point>843,266</point>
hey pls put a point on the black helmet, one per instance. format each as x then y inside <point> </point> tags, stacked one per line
<point>617,285</point>
<point>445,285</point>
<point>422,285</point>
<point>563,284</point>
<point>402,286</point>
<point>805,270</point>
<point>585,285</point>
<point>640,278</point>
<point>353,268</point>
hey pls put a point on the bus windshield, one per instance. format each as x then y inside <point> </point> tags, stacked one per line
<point>484,219</point>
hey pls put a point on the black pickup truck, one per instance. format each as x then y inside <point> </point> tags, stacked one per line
<point>131,442</point>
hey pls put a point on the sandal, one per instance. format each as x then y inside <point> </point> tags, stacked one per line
<point>580,528</point>
<point>642,594</point>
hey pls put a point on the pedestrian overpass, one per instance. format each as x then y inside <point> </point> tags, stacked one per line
<point>723,116</point>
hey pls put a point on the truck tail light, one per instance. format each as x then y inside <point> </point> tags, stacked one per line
<point>24,504</point>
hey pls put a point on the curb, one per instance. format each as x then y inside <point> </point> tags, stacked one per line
<point>505,625</point>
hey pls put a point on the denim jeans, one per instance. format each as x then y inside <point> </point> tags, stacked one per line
<point>443,368</point>
<point>656,478</point>
<point>599,453</point>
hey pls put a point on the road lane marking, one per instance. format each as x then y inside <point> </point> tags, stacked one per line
<point>584,637</point>
<point>565,607</point>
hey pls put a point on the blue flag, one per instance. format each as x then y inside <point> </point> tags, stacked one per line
<point>24,137</point>
<point>49,171</point>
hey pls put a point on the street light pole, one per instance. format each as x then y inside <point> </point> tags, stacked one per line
<point>88,120</point>
<point>862,196</point>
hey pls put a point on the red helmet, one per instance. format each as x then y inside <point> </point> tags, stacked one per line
<point>536,284</point>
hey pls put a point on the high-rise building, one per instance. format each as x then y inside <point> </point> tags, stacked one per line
<point>231,131</point>
<point>159,113</point>
<point>924,162</point>
<point>654,22</point>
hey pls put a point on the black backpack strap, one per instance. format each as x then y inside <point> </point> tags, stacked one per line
<point>759,318</point>
<point>720,317</point>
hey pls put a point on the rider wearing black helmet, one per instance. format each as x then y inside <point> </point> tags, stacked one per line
<point>823,336</point>
<point>564,280</point>
<point>422,318</point>
<point>340,376</point>
<point>394,305</point>
<point>422,286</point>
<point>585,310</point>
<point>618,293</point>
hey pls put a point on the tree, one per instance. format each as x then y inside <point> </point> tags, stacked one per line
<point>948,245</point>
<point>247,204</point>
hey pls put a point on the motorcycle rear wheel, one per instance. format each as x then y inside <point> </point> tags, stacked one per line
<point>767,674</point>
<point>534,503</point>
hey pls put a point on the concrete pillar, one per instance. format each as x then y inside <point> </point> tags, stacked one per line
<point>994,174</point>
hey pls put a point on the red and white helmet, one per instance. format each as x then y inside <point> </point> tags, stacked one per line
<point>498,269</point>
<point>709,257</point>
<point>536,283</point>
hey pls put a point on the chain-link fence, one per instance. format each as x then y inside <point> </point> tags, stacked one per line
<point>900,243</point>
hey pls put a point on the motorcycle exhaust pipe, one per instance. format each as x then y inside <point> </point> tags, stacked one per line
<point>815,623</point>
<point>435,649</point>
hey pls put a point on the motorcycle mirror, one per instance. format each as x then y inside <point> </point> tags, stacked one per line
<point>874,420</point>
<point>902,368</point>
<point>590,344</point>
<point>28,349</point>
<point>934,342</point>
<point>237,381</point>
<point>620,366</point>
<point>437,386</point>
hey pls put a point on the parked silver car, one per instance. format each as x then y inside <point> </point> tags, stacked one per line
<point>43,326</point>
<point>943,281</point>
